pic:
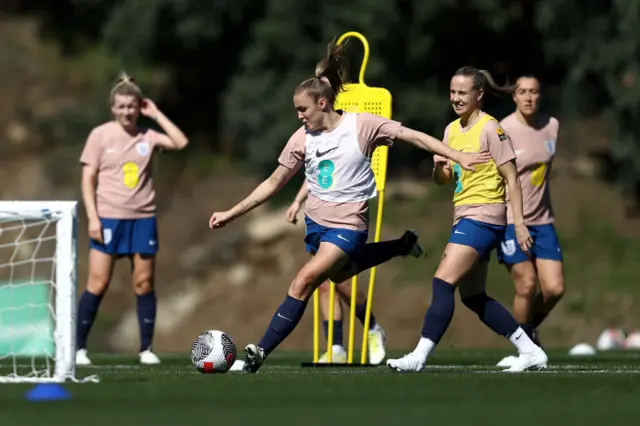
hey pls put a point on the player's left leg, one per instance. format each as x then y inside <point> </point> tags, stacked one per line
<point>549,265</point>
<point>144,246</point>
<point>551,277</point>
<point>376,335</point>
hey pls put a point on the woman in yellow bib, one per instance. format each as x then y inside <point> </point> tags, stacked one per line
<point>480,219</point>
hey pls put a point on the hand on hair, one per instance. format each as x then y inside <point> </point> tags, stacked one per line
<point>149,109</point>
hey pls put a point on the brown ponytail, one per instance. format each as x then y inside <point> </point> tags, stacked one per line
<point>482,80</point>
<point>125,85</point>
<point>330,75</point>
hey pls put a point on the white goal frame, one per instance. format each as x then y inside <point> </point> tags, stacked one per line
<point>64,213</point>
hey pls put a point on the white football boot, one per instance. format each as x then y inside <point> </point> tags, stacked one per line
<point>377,350</point>
<point>338,355</point>
<point>149,358</point>
<point>409,362</point>
<point>507,361</point>
<point>529,361</point>
<point>253,358</point>
<point>82,358</point>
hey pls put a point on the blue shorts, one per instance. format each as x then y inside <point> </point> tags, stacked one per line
<point>484,237</point>
<point>348,240</point>
<point>124,237</point>
<point>545,245</point>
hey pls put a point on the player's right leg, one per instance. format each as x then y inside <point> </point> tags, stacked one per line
<point>101,261</point>
<point>328,259</point>
<point>338,353</point>
<point>376,335</point>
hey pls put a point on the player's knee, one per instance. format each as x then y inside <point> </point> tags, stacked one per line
<point>553,290</point>
<point>97,283</point>
<point>302,286</point>
<point>525,285</point>
<point>142,282</point>
<point>324,288</point>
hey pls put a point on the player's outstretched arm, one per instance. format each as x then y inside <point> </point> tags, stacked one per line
<point>431,144</point>
<point>509,172</point>
<point>262,193</point>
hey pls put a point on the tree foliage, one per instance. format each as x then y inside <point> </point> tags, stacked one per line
<point>229,66</point>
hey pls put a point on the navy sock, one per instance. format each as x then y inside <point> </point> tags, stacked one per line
<point>146,319</point>
<point>440,312</point>
<point>87,310</point>
<point>361,313</point>
<point>283,323</point>
<point>337,331</point>
<point>538,317</point>
<point>493,314</point>
<point>527,329</point>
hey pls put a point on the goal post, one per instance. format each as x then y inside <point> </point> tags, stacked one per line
<point>38,278</point>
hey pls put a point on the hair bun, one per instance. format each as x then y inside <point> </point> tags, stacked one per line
<point>125,78</point>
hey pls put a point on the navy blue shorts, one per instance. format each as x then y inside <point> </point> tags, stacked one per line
<point>545,245</point>
<point>348,240</point>
<point>128,236</point>
<point>484,237</point>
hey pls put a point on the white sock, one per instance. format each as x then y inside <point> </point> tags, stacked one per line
<point>424,348</point>
<point>521,340</point>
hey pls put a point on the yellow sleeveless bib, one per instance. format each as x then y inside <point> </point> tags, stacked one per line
<point>485,185</point>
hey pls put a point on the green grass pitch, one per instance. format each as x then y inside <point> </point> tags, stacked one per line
<point>458,388</point>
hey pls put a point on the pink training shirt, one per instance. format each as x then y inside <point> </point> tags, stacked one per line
<point>371,131</point>
<point>501,153</point>
<point>535,148</point>
<point>125,181</point>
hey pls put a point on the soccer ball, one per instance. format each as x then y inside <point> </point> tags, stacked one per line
<point>213,352</point>
<point>633,340</point>
<point>611,338</point>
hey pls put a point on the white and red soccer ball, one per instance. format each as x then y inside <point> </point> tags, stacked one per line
<point>213,352</point>
<point>611,338</point>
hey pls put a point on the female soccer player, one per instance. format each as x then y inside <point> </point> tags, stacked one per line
<point>480,219</point>
<point>534,137</point>
<point>121,210</point>
<point>335,148</point>
<point>376,338</point>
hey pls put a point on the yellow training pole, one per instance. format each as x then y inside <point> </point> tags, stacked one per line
<point>372,279</point>
<point>352,319</point>
<point>316,337</point>
<point>332,297</point>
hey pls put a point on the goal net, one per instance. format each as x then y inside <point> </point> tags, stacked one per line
<point>38,291</point>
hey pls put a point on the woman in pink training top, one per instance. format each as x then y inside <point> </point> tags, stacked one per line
<point>534,137</point>
<point>335,149</point>
<point>118,194</point>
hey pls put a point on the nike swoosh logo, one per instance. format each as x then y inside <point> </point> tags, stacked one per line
<point>321,154</point>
